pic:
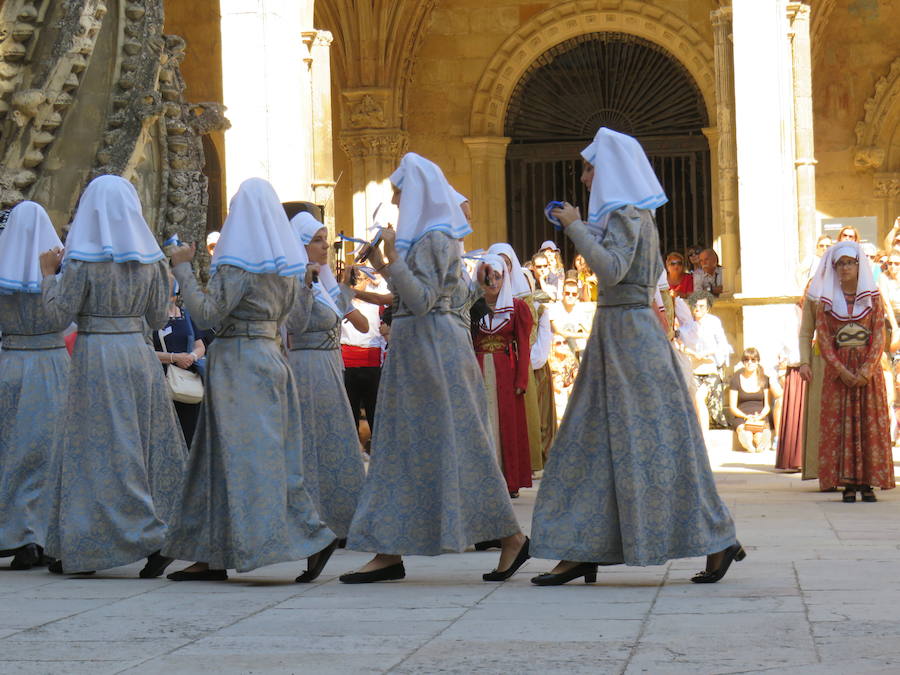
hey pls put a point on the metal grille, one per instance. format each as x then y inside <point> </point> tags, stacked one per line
<point>625,83</point>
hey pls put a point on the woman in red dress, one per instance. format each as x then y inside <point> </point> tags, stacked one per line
<point>855,442</point>
<point>502,345</point>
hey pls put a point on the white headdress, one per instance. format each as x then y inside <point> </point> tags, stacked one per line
<point>427,202</point>
<point>326,289</point>
<point>28,233</point>
<point>503,307</point>
<point>109,225</point>
<point>622,176</point>
<point>518,282</point>
<point>826,287</point>
<point>257,236</point>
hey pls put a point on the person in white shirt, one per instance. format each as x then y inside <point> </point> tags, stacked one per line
<point>572,319</point>
<point>706,344</point>
<point>708,276</point>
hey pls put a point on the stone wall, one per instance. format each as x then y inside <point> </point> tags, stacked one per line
<point>858,47</point>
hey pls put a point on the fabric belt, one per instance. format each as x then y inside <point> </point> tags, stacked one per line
<point>852,335</point>
<point>627,305</point>
<point>318,340</point>
<point>251,329</point>
<point>88,323</point>
<point>35,342</point>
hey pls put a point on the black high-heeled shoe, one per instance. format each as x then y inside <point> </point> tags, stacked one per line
<point>27,557</point>
<point>317,564</point>
<point>56,568</point>
<point>735,552</point>
<point>867,494</point>
<point>200,575</point>
<point>849,495</point>
<point>393,572</point>
<point>485,545</point>
<point>521,557</point>
<point>586,570</point>
<point>156,565</point>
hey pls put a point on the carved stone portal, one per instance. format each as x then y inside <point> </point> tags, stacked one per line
<point>91,87</point>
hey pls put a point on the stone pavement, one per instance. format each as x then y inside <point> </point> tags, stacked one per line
<point>819,592</point>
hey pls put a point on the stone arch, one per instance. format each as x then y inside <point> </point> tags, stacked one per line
<point>878,133</point>
<point>648,20</point>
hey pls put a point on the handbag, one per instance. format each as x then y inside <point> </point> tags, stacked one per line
<point>184,385</point>
<point>755,426</point>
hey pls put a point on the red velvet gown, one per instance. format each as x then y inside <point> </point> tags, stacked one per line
<point>504,358</point>
<point>855,439</point>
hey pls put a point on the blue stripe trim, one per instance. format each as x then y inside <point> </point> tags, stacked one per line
<point>124,256</point>
<point>15,286</point>
<point>271,266</point>
<point>459,233</point>
<point>652,202</point>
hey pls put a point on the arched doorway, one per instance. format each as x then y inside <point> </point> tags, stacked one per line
<point>623,82</point>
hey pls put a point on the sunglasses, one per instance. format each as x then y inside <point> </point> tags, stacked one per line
<point>847,263</point>
<point>573,295</point>
<point>540,267</point>
<point>893,263</point>
<point>751,360</point>
<point>675,262</point>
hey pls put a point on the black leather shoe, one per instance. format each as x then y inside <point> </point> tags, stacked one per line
<point>56,568</point>
<point>522,556</point>
<point>389,573</point>
<point>586,570</point>
<point>156,565</point>
<point>27,557</point>
<point>732,553</point>
<point>202,575</point>
<point>485,545</point>
<point>316,564</point>
<point>867,494</point>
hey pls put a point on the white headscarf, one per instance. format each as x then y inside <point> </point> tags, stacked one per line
<point>427,202</point>
<point>549,244</point>
<point>826,287</point>
<point>326,289</point>
<point>622,176</point>
<point>109,225</point>
<point>518,281</point>
<point>503,307</point>
<point>256,236</point>
<point>28,233</point>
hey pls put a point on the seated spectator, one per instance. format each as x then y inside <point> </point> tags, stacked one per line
<point>693,257</point>
<point>681,284</point>
<point>705,342</point>
<point>749,402</point>
<point>708,276</point>
<point>848,233</point>
<point>563,369</point>
<point>587,280</point>
<point>551,284</point>
<point>810,265</point>
<point>572,319</point>
<point>211,240</point>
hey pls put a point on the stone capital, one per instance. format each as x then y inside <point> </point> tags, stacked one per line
<point>383,143</point>
<point>368,108</point>
<point>485,147</point>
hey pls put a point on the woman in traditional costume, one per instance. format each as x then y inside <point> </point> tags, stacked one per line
<point>628,479</point>
<point>502,346</point>
<point>244,503</point>
<point>332,462</point>
<point>123,455</point>
<point>434,485</point>
<point>34,375</point>
<point>854,438</point>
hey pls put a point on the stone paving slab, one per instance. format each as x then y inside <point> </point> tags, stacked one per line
<point>818,593</point>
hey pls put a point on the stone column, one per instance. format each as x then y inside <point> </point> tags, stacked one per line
<point>723,147</point>
<point>805,162</point>
<point>266,92</point>
<point>488,198</point>
<point>374,155</point>
<point>767,201</point>
<point>319,44</point>
<point>887,194</point>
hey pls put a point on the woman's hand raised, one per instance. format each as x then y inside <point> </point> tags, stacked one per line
<point>567,214</point>
<point>50,261</point>
<point>183,254</point>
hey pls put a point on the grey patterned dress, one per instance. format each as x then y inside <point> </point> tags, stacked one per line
<point>332,461</point>
<point>628,480</point>
<point>434,484</point>
<point>244,503</point>
<point>123,453</point>
<point>34,375</point>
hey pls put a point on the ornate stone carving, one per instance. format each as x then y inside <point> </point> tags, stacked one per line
<point>30,118</point>
<point>367,113</point>
<point>873,131</point>
<point>887,186</point>
<point>391,144</point>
